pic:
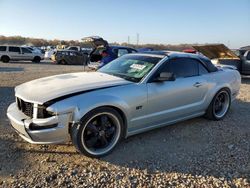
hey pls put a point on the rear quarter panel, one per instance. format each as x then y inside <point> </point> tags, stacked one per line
<point>224,78</point>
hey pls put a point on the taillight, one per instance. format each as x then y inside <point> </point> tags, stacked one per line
<point>192,51</point>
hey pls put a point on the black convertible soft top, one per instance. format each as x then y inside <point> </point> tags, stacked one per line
<point>207,62</point>
<point>172,54</point>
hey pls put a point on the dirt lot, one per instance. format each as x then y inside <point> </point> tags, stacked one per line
<point>194,153</point>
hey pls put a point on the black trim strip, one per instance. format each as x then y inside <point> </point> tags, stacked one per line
<point>35,127</point>
<point>48,103</point>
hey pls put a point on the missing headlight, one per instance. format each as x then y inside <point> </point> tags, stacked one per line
<point>43,113</point>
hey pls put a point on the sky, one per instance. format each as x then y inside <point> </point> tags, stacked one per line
<point>160,21</point>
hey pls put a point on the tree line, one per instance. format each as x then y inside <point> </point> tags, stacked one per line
<point>19,40</point>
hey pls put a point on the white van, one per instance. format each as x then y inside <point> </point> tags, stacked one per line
<point>8,53</point>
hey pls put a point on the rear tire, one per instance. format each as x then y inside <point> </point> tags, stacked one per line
<point>37,59</point>
<point>219,106</point>
<point>98,132</point>
<point>5,59</point>
<point>63,62</point>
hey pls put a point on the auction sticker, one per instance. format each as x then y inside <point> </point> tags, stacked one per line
<point>137,66</point>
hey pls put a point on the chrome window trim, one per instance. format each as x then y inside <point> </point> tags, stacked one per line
<point>156,67</point>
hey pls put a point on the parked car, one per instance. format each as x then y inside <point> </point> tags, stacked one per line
<point>221,55</point>
<point>130,95</point>
<point>243,50</point>
<point>69,57</point>
<point>98,45</point>
<point>8,53</point>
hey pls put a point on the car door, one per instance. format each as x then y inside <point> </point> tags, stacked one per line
<point>76,58</point>
<point>170,101</point>
<point>15,53</point>
<point>246,63</point>
<point>68,56</point>
<point>27,54</point>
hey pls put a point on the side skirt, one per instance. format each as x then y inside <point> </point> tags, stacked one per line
<point>163,124</point>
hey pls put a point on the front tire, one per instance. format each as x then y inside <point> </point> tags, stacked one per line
<point>219,106</point>
<point>5,59</point>
<point>98,132</point>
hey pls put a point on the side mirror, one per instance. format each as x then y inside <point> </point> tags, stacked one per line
<point>165,76</point>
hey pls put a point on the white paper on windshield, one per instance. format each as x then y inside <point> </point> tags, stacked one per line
<point>137,66</point>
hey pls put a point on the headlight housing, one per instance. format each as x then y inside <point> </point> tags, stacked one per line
<point>43,113</point>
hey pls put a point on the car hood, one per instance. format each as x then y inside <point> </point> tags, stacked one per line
<point>216,51</point>
<point>45,89</point>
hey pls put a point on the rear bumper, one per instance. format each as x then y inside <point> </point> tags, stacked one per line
<point>45,135</point>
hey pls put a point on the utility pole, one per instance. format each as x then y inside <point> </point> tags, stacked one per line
<point>137,39</point>
<point>128,40</point>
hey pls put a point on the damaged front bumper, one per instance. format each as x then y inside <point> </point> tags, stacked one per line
<point>50,130</point>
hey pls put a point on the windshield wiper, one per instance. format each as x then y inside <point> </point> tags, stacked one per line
<point>128,78</point>
<point>125,77</point>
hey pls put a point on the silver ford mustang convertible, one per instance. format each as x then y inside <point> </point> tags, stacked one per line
<point>130,95</point>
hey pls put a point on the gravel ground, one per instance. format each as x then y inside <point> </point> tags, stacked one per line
<point>193,153</point>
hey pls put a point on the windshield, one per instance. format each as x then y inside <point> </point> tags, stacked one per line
<point>131,67</point>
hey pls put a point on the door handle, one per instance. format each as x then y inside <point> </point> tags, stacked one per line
<point>197,84</point>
